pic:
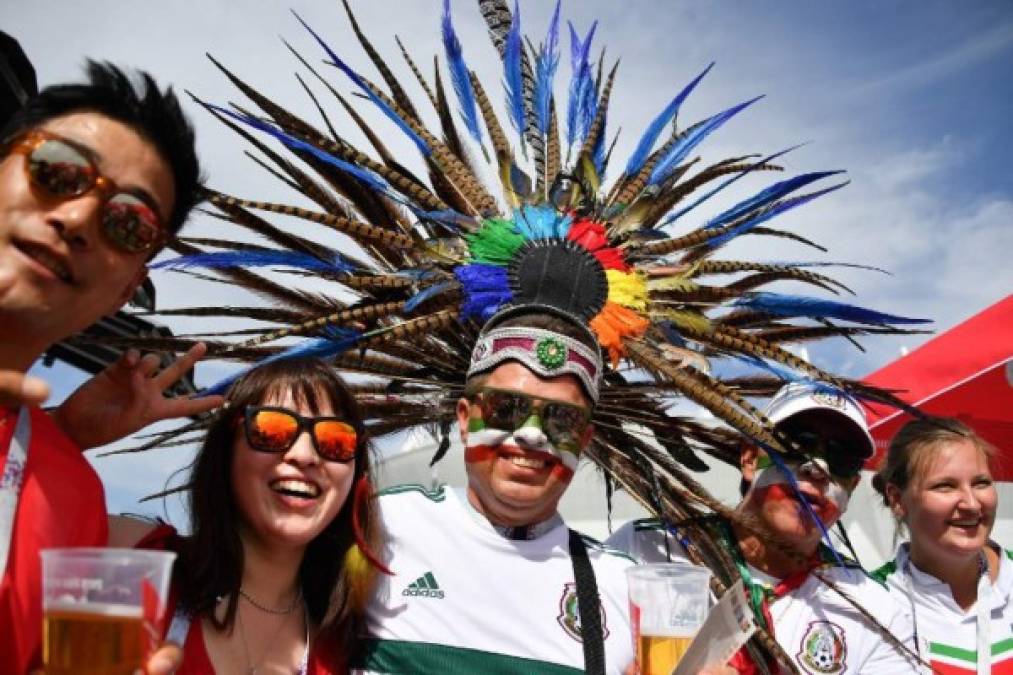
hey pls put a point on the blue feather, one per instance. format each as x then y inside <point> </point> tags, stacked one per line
<point>319,348</point>
<point>486,288</point>
<point>246,259</point>
<point>767,196</point>
<point>459,76</point>
<point>545,72</point>
<point>678,152</point>
<point>816,308</point>
<point>512,74</point>
<point>581,86</point>
<point>541,222</point>
<point>646,144</point>
<point>672,333</point>
<point>386,109</point>
<point>769,213</point>
<point>372,181</point>
<point>412,303</point>
<point>686,209</point>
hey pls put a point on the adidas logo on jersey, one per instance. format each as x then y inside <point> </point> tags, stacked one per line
<point>425,587</point>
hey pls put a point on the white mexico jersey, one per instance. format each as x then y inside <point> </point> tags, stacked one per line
<point>947,635</point>
<point>465,599</point>
<point>822,632</point>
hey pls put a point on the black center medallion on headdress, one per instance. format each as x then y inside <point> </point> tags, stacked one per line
<point>559,273</point>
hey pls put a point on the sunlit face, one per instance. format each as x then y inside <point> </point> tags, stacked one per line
<point>950,508</point>
<point>288,498</point>
<point>58,273</point>
<point>773,501</point>
<point>516,476</point>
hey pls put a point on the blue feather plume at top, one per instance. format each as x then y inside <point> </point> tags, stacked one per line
<point>545,72</point>
<point>459,76</point>
<point>512,74</point>
<point>816,308</point>
<point>749,169</point>
<point>678,152</point>
<point>542,222</point>
<point>767,196</point>
<point>769,213</point>
<point>340,340</point>
<point>646,144</point>
<point>359,82</point>
<point>259,258</point>
<point>581,95</point>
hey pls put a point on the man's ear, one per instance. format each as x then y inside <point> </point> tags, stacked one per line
<point>463,410</point>
<point>128,291</point>
<point>748,455</point>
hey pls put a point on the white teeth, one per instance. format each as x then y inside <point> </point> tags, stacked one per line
<point>528,462</point>
<point>297,487</point>
<point>965,523</point>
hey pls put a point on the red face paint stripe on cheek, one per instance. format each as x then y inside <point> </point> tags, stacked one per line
<point>479,453</point>
<point>780,492</point>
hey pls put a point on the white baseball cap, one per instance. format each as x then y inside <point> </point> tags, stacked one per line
<point>830,404</point>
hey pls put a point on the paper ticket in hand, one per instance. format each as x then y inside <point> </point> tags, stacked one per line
<point>728,626</point>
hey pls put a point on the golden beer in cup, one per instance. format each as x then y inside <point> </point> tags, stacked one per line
<point>668,604</point>
<point>103,609</point>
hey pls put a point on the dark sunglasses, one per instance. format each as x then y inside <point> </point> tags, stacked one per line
<point>562,423</point>
<point>272,429</point>
<point>843,460</point>
<point>64,172</point>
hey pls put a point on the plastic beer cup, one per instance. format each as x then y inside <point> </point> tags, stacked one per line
<point>103,609</point>
<point>668,604</point>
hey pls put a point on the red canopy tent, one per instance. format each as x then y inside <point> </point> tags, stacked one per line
<point>967,373</point>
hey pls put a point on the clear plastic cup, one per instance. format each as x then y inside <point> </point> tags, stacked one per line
<point>103,609</point>
<point>668,604</point>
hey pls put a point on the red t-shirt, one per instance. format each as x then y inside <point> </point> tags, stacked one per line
<point>62,504</point>
<point>195,654</point>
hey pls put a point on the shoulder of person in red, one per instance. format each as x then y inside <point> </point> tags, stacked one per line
<point>61,504</point>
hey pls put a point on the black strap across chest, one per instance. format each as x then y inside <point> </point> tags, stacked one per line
<point>589,606</point>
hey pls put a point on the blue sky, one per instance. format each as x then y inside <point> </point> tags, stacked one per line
<point>912,98</point>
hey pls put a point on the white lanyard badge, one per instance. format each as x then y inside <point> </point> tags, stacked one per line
<point>11,480</point>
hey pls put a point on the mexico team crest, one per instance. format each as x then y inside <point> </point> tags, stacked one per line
<point>569,614</point>
<point>823,650</point>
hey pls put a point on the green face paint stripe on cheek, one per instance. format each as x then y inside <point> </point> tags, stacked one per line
<point>475,424</point>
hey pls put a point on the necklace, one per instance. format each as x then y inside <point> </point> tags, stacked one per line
<point>270,610</point>
<point>251,667</point>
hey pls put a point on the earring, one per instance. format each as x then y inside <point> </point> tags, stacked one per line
<point>363,493</point>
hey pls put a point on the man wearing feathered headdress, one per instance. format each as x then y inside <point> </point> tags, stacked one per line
<point>490,577</point>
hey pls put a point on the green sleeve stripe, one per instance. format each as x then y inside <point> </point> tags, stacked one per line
<point>423,658</point>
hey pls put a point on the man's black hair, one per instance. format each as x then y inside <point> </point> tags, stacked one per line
<point>155,114</point>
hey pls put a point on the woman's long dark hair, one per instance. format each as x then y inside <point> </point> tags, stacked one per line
<point>334,580</point>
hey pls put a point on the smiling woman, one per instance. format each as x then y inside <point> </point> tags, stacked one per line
<point>955,583</point>
<point>279,566</point>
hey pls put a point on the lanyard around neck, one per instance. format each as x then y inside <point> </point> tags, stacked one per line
<point>11,480</point>
<point>983,619</point>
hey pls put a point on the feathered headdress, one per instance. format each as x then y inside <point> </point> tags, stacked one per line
<point>420,262</point>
